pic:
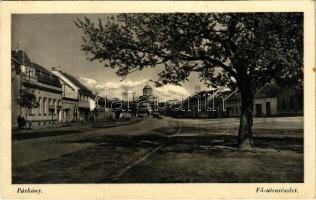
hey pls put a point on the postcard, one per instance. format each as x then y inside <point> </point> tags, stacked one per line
<point>157,99</point>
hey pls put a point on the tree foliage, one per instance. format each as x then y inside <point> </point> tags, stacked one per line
<point>243,50</point>
<point>28,98</point>
<point>226,49</point>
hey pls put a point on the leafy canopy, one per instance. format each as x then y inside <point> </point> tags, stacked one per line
<point>225,49</point>
<point>28,98</point>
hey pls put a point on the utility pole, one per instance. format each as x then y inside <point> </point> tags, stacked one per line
<point>134,94</point>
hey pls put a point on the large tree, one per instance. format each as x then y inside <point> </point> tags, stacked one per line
<point>242,50</point>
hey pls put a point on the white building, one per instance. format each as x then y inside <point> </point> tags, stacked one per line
<point>33,80</point>
<point>75,96</point>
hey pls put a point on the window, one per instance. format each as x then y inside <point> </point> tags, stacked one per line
<point>300,101</point>
<point>55,106</point>
<point>44,106</point>
<point>291,103</point>
<point>23,68</point>
<point>34,111</point>
<point>283,104</point>
<point>30,111</point>
<point>47,106</point>
<point>40,105</point>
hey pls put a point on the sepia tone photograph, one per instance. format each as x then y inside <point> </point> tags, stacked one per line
<point>157,98</point>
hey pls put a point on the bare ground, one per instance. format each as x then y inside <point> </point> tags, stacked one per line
<point>188,151</point>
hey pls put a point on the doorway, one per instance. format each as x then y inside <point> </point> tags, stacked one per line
<point>258,110</point>
<point>268,109</point>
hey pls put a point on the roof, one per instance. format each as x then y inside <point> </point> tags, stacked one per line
<point>42,74</point>
<point>15,65</point>
<point>147,87</point>
<point>20,56</point>
<point>45,76</point>
<point>82,88</point>
<point>267,91</point>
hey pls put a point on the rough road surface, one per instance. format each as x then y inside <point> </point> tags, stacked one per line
<point>163,151</point>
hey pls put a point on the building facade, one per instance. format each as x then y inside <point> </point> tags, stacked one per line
<point>269,101</point>
<point>100,108</point>
<point>147,102</point>
<point>76,98</point>
<point>36,92</point>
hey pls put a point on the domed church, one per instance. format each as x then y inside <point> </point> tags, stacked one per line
<point>147,90</point>
<point>148,99</point>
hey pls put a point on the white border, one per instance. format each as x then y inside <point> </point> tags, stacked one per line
<point>158,191</point>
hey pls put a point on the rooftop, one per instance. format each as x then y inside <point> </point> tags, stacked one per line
<point>42,74</point>
<point>45,76</point>
<point>147,86</point>
<point>20,56</point>
<point>82,88</point>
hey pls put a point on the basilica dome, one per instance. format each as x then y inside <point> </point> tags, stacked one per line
<point>147,91</point>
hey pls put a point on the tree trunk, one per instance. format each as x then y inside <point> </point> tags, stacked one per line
<point>245,140</point>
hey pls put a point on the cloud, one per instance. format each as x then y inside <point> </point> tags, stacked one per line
<point>129,84</point>
<point>171,92</point>
<point>118,89</point>
<point>121,89</point>
<point>89,82</point>
<point>124,85</point>
<point>109,85</point>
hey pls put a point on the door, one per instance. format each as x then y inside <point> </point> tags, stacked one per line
<point>258,110</point>
<point>268,109</point>
<point>228,111</point>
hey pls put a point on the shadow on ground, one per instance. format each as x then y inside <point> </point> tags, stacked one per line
<point>193,156</point>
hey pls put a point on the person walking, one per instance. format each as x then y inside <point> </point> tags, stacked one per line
<point>19,120</point>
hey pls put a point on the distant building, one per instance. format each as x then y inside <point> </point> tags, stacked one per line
<point>199,105</point>
<point>147,102</point>
<point>100,108</point>
<point>33,80</point>
<point>269,101</point>
<point>147,90</point>
<point>76,98</point>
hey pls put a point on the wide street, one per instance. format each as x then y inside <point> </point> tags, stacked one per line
<point>163,151</point>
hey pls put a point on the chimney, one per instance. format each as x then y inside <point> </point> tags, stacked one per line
<point>23,57</point>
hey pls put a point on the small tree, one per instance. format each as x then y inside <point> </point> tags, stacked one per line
<point>243,50</point>
<point>28,99</point>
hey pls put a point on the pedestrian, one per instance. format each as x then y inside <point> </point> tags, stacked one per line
<point>19,120</point>
<point>23,122</point>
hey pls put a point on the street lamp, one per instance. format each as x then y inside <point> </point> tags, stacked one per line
<point>52,110</point>
<point>59,107</point>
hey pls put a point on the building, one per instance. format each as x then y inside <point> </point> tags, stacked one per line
<point>270,100</point>
<point>100,108</point>
<point>147,90</point>
<point>147,102</point>
<point>76,98</point>
<point>36,92</point>
<point>200,105</point>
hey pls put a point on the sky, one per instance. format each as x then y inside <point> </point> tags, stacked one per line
<point>53,40</point>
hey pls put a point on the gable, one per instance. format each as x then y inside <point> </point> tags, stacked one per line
<point>66,81</point>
